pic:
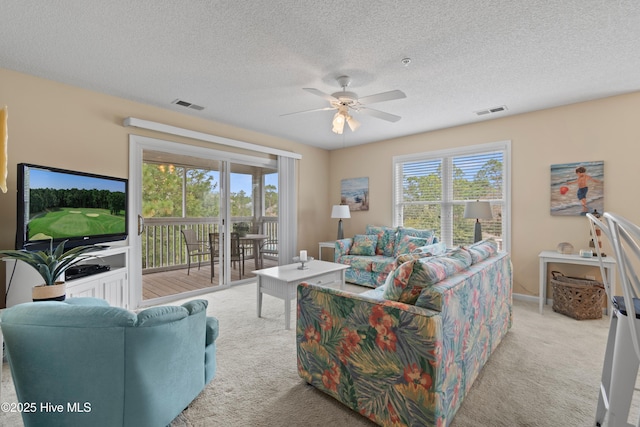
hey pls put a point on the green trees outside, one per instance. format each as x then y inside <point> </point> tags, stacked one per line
<point>424,203</point>
<point>162,194</point>
<point>45,199</point>
<point>270,200</point>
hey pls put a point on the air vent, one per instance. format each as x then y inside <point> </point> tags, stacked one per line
<point>187,104</point>
<point>492,110</point>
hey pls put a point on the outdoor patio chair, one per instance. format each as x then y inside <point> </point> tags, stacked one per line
<point>237,252</point>
<point>195,247</point>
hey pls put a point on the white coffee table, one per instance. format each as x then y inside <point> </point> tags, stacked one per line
<point>282,281</point>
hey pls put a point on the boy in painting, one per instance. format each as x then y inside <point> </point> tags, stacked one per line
<point>582,181</point>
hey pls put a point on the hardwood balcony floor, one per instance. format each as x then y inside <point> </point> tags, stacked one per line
<point>165,283</point>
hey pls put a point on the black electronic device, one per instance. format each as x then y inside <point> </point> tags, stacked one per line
<point>59,204</point>
<point>84,270</point>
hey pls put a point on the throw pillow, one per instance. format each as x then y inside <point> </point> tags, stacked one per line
<point>397,281</point>
<point>408,244</point>
<point>364,244</point>
<point>434,249</point>
<point>386,238</point>
<point>429,271</point>
<point>414,232</point>
<point>482,250</point>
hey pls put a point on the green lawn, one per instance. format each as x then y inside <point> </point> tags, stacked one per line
<point>66,222</point>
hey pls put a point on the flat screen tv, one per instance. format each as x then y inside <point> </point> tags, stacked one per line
<point>58,204</point>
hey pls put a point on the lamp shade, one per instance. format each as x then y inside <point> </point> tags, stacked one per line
<point>478,210</point>
<point>340,211</point>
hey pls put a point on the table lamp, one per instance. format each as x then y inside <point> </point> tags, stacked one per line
<point>478,210</point>
<point>340,211</point>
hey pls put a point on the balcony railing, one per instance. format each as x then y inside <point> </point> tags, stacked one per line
<point>163,246</point>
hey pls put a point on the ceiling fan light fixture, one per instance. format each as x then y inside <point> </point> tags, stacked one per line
<point>353,123</point>
<point>339,119</point>
<point>338,123</point>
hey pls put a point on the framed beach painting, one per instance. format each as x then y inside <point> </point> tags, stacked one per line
<point>577,188</point>
<point>355,193</point>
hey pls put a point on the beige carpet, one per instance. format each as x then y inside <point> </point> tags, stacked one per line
<point>544,373</point>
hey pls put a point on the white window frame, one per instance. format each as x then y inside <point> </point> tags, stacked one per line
<point>504,146</point>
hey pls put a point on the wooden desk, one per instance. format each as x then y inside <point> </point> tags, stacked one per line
<point>556,257</point>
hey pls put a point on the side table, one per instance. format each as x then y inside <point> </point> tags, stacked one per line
<point>330,244</point>
<point>556,257</point>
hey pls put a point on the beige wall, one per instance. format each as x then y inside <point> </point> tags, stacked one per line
<point>606,129</point>
<point>59,125</point>
<point>53,124</point>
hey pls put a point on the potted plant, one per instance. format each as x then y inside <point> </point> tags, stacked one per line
<point>51,264</point>
<point>242,228</point>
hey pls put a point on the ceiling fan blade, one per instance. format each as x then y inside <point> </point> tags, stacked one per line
<point>320,93</point>
<point>308,111</point>
<point>384,96</point>
<point>379,114</point>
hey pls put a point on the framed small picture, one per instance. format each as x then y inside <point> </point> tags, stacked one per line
<point>355,193</point>
<point>577,188</point>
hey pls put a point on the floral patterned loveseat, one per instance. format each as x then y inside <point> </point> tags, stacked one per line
<point>372,255</point>
<point>407,353</point>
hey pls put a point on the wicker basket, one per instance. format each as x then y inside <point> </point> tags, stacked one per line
<point>577,298</point>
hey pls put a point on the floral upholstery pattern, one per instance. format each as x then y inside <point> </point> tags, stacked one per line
<point>409,244</point>
<point>386,238</point>
<point>400,364</point>
<point>426,272</point>
<point>372,271</point>
<point>364,244</point>
<point>482,250</point>
<point>403,232</point>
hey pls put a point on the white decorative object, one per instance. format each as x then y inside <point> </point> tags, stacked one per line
<point>565,248</point>
<point>584,253</point>
<point>303,255</point>
<point>302,262</point>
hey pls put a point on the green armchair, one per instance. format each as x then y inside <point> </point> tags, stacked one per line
<point>82,362</point>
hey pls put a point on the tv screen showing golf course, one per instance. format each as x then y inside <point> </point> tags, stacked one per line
<point>62,205</point>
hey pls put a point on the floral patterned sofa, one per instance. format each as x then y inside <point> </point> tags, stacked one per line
<point>407,353</point>
<point>372,256</point>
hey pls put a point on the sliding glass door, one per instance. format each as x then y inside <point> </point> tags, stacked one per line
<point>205,217</point>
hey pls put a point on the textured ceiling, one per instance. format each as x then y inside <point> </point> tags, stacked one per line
<point>247,62</point>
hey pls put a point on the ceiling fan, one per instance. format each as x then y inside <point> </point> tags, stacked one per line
<point>344,101</point>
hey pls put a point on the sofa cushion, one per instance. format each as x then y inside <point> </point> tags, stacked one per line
<point>429,271</point>
<point>357,262</point>
<point>411,277</point>
<point>376,263</point>
<point>386,238</point>
<point>364,244</point>
<point>428,235</point>
<point>422,252</point>
<point>433,249</point>
<point>382,264</point>
<point>408,244</point>
<point>482,250</point>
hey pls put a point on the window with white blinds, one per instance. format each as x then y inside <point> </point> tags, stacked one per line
<point>431,189</point>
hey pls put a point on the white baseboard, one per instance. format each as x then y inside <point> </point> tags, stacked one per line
<point>530,298</point>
